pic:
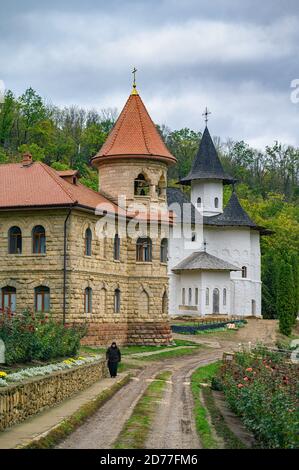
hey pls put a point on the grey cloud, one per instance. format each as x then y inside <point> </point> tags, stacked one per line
<point>237,57</point>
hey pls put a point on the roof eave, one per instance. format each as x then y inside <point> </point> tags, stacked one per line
<point>98,159</point>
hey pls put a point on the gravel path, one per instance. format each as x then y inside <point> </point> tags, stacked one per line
<point>175,426</point>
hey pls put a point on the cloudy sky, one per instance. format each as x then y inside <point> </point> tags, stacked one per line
<point>236,57</point>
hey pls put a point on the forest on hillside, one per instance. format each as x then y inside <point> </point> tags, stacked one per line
<point>267,180</point>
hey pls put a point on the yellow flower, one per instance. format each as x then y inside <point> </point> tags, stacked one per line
<point>3,374</point>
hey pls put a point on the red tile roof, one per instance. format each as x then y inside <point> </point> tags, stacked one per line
<point>134,134</point>
<point>38,185</point>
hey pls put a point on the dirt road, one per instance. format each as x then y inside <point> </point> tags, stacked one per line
<point>174,426</point>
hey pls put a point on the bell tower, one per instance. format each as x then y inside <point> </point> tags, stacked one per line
<point>133,161</point>
<point>207,177</point>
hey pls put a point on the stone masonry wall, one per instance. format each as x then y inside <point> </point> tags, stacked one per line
<point>19,402</point>
<point>136,280</point>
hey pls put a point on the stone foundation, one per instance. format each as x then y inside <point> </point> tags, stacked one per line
<point>135,333</point>
<point>20,401</point>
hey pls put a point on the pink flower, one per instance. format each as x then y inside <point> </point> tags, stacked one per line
<point>246,379</point>
<point>240,385</point>
<point>249,369</point>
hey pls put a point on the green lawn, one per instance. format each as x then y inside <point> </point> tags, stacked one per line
<point>170,354</point>
<point>127,350</point>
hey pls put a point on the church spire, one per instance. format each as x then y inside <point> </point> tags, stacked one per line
<point>206,164</point>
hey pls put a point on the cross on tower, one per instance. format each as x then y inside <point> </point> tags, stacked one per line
<point>206,114</point>
<point>134,74</point>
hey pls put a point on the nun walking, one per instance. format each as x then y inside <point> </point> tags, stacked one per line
<point>113,357</point>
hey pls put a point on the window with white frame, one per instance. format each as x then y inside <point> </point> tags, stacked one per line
<point>207,296</point>
<point>224,296</point>
<point>196,296</point>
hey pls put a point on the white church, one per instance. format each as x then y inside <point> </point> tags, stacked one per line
<point>214,267</point>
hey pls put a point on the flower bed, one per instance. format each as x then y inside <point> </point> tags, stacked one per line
<point>193,329</point>
<point>261,387</point>
<point>30,391</point>
<point>6,379</point>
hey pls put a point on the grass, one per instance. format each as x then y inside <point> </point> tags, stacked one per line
<point>127,350</point>
<point>231,441</point>
<point>67,426</point>
<point>170,354</point>
<point>137,427</point>
<point>203,427</point>
<point>218,427</point>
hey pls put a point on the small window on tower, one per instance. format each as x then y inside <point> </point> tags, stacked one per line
<point>141,186</point>
<point>244,271</point>
<point>199,202</point>
<point>216,202</point>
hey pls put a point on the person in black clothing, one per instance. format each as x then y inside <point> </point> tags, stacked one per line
<point>113,357</point>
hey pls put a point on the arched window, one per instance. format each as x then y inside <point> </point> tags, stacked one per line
<point>141,186</point>
<point>88,242</point>
<point>207,296</point>
<point>164,302</point>
<point>38,240</point>
<point>164,250</point>
<point>144,250</point>
<point>116,250</point>
<point>161,189</point>
<point>15,241</point>
<point>196,295</point>
<point>190,296</point>
<point>42,299</point>
<point>244,271</point>
<point>143,303</point>
<point>88,300</point>
<point>199,202</point>
<point>8,298</point>
<point>183,296</point>
<point>117,301</point>
<point>224,296</point>
<point>216,200</point>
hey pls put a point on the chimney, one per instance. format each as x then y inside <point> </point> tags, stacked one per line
<point>27,159</point>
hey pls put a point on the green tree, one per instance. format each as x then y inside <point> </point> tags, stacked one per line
<point>285,298</point>
<point>270,282</point>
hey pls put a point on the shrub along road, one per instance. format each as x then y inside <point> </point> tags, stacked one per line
<point>175,427</point>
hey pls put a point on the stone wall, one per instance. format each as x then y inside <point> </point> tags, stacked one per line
<point>20,401</point>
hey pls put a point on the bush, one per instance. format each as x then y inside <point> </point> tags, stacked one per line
<point>30,337</point>
<point>261,389</point>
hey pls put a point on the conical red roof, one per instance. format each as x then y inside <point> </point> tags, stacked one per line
<point>134,134</point>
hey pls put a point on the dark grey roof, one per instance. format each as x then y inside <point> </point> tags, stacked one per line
<point>234,215</point>
<point>201,260</point>
<point>206,164</point>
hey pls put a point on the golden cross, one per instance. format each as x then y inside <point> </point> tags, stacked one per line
<point>205,114</point>
<point>134,73</point>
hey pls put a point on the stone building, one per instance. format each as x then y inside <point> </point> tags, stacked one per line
<point>56,254</point>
